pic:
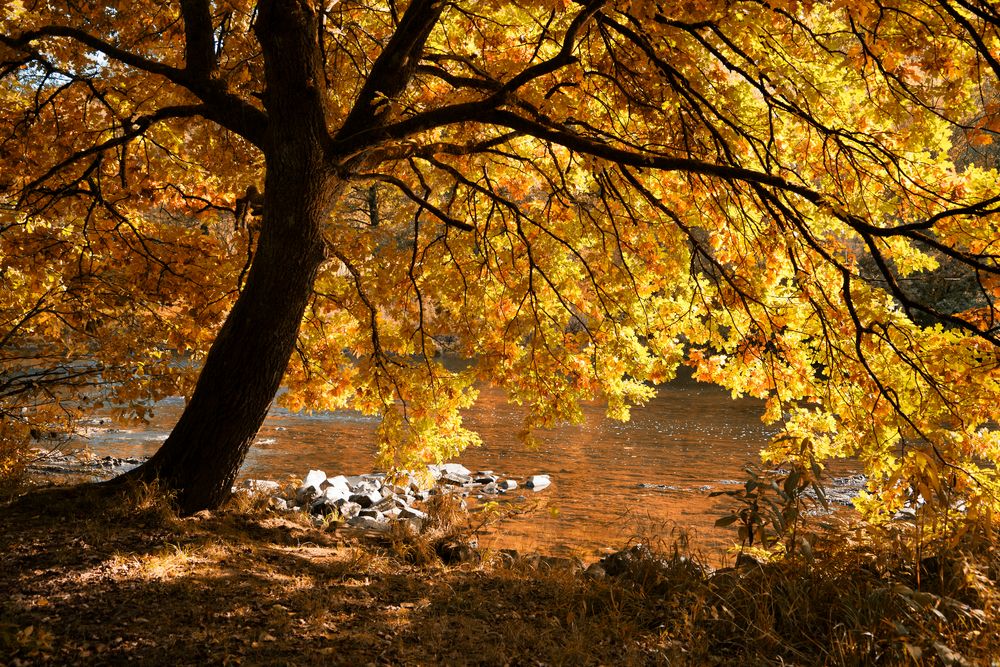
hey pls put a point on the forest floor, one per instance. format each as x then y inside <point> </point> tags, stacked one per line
<point>95,578</point>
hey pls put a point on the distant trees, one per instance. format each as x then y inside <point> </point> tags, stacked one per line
<point>585,195</point>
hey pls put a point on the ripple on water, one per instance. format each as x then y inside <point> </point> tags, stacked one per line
<point>688,440</point>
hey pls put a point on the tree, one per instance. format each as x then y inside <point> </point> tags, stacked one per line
<point>577,197</point>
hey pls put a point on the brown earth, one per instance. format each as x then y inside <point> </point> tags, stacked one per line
<point>99,579</point>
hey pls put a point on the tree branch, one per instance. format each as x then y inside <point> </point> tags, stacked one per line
<point>222,107</point>
<point>394,67</point>
<point>199,42</point>
<point>138,127</point>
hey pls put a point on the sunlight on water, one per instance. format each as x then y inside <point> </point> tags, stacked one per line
<point>691,439</point>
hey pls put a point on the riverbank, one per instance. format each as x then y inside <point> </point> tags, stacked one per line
<point>370,500</point>
<point>105,579</point>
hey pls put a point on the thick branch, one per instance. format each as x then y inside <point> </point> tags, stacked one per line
<point>620,156</point>
<point>394,67</point>
<point>200,61</point>
<point>222,107</point>
<point>423,202</point>
<point>97,44</point>
<point>137,128</point>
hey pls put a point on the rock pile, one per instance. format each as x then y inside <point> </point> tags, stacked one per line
<point>372,501</point>
<point>55,462</point>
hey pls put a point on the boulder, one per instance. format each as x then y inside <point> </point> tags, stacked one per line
<point>306,493</point>
<point>369,523</point>
<point>365,499</point>
<point>337,492</point>
<point>261,486</point>
<point>315,478</point>
<point>626,560</point>
<point>339,484</point>
<point>540,562</point>
<point>343,509</point>
<point>347,509</point>
<point>366,486</point>
<point>508,556</point>
<point>538,482</point>
<point>322,507</point>
<point>411,513</point>
<point>507,485</point>
<point>388,503</point>
<point>456,552</point>
<point>456,468</point>
<point>455,479</point>
<point>354,480</point>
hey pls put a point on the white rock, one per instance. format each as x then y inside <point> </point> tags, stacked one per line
<point>339,482</point>
<point>368,523</point>
<point>306,493</point>
<point>347,509</point>
<point>507,485</point>
<point>261,485</point>
<point>336,487</point>
<point>337,493</point>
<point>366,499</point>
<point>538,482</point>
<point>456,469</point>
<point>315,478</point>
<point>411,513</point>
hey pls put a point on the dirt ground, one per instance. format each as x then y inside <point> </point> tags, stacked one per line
<point>98,578</point>
<point>99,582</point>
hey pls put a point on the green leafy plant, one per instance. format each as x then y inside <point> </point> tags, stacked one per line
<point>770,506</point>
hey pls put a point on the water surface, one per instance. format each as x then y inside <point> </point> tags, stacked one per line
<point>692,438</point>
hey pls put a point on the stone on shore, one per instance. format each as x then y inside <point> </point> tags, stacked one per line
<point>369,523</point>
<point>412,513</point>
<point>338,483</point>
<point>366,498</point>
<point>538,482</point>
<point>374,502</point>
<point>626,560</point>
<point>455,479</point>
<point>315,478</point>
<point>456,469</point>
<point>261,486</point>
<point>306,493</point>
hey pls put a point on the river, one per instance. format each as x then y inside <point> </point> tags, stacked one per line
<point>690,440</point>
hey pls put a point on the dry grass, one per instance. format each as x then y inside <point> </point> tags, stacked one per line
<point>104,579</point>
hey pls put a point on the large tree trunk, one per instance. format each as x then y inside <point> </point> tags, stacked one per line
<point>245,364</point>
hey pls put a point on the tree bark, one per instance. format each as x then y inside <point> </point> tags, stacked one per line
<point>244,367</point>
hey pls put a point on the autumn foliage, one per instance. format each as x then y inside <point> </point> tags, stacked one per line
<point>577,198</point>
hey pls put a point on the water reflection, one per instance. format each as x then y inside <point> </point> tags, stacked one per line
<point>692,438</point>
